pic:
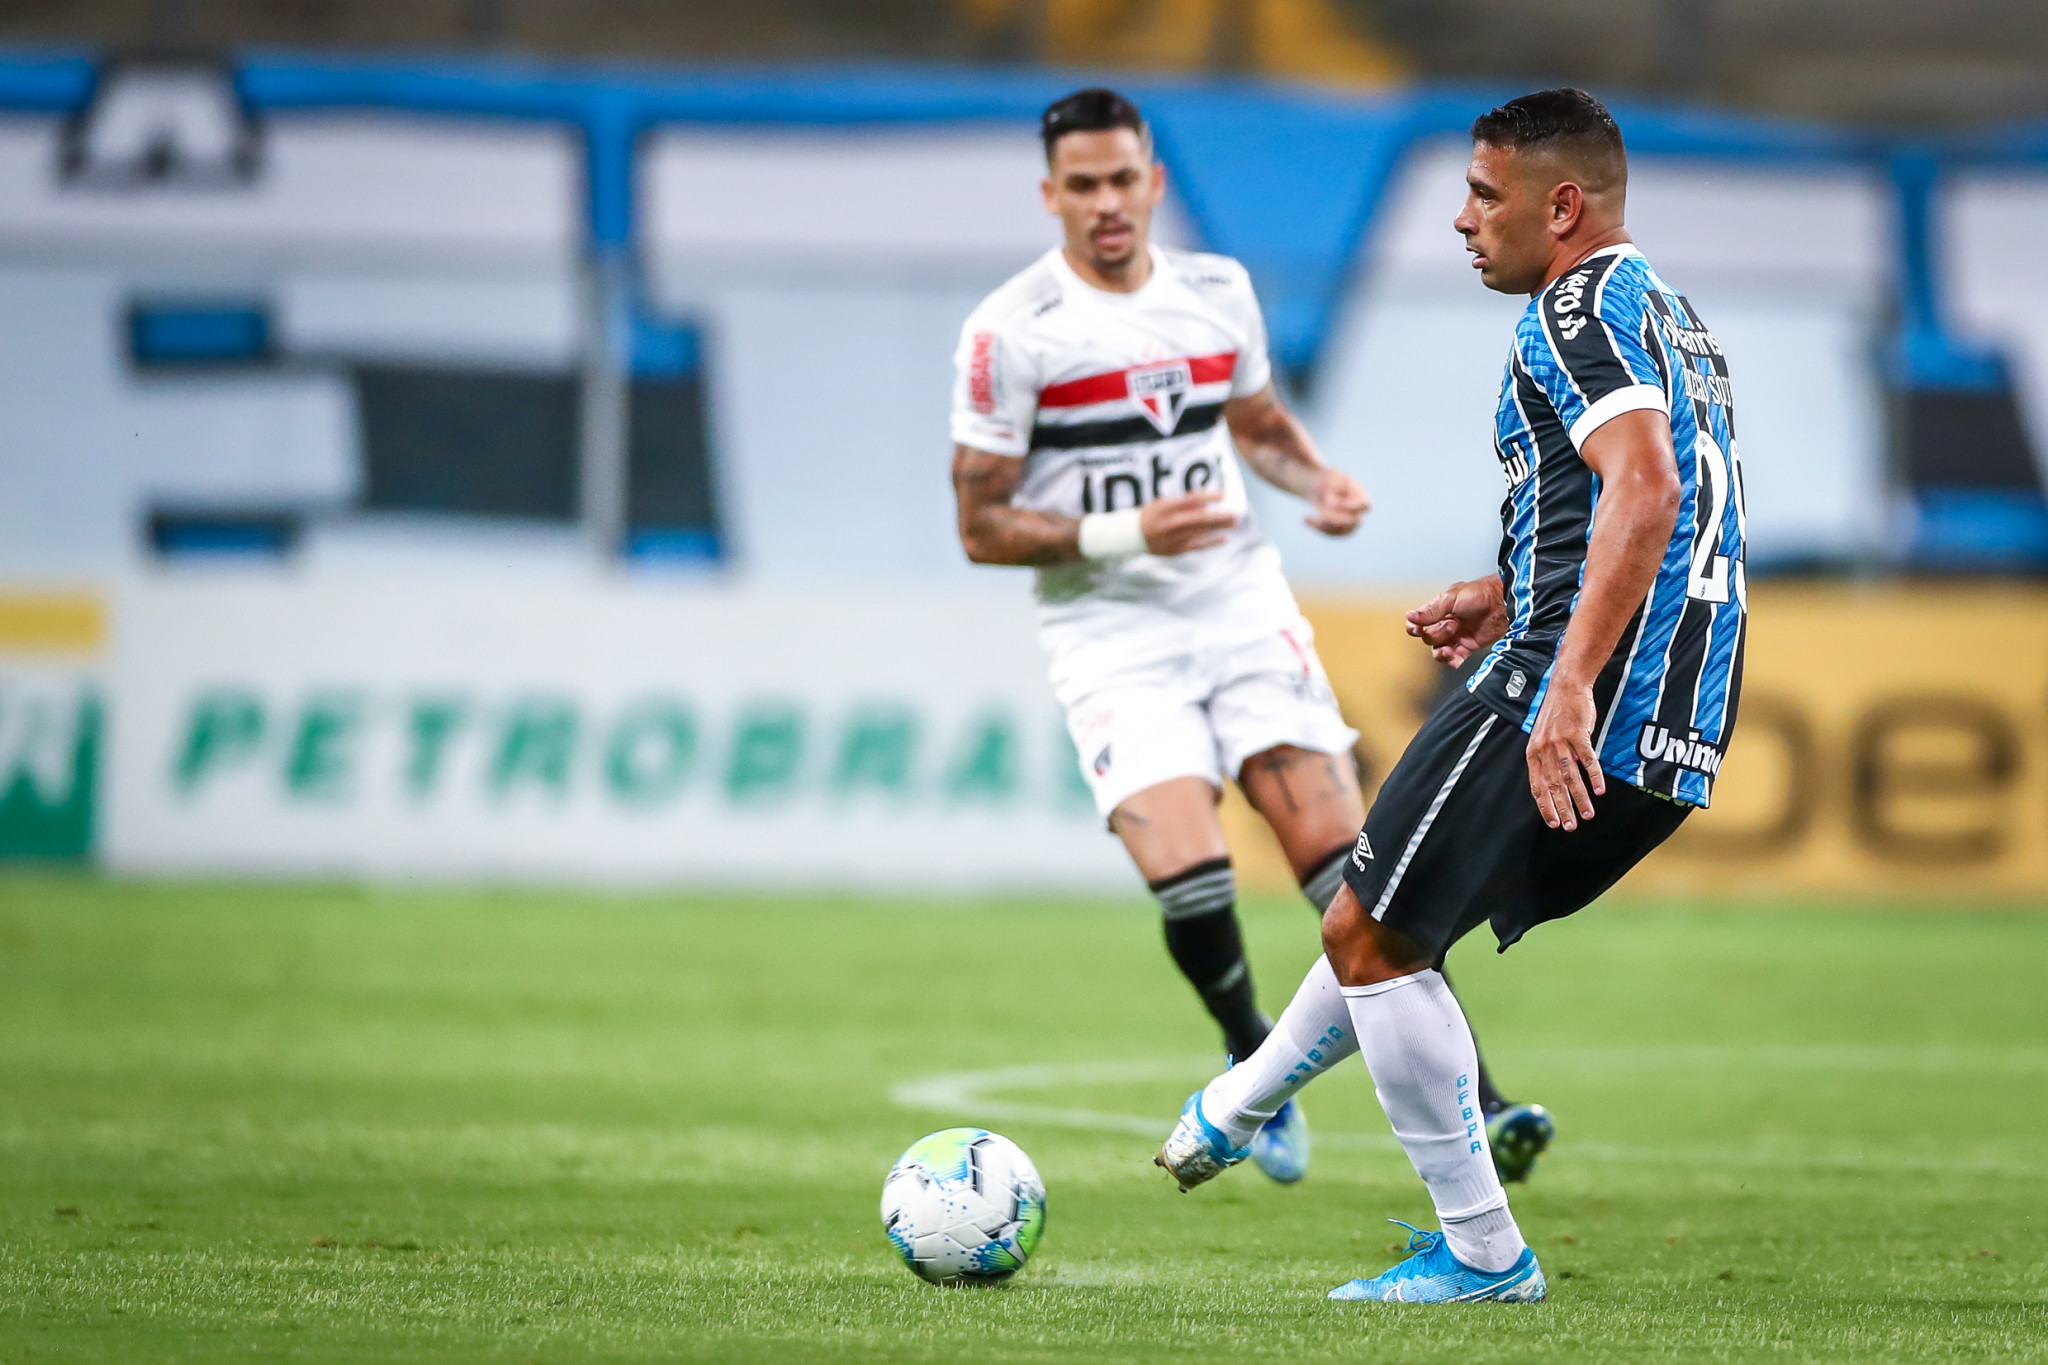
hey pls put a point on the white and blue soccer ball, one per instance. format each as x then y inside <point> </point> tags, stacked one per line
<point>964,1205</point>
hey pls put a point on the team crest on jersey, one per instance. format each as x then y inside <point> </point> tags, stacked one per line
<point>1161,391</point>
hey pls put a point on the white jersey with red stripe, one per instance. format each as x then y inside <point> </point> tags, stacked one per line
<point>1113,400</point>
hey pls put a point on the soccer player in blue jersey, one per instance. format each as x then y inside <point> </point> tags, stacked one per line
<point>1612,638</point>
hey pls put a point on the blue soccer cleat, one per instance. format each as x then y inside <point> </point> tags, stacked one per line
<point>1280,1147</point>
<point>1196,1150</point>
<point>1518,1135</point>
<point>1434,1275</point>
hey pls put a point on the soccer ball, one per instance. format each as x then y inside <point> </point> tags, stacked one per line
<point>964,1206</point>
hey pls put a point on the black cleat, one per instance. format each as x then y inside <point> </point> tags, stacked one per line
<point>1518,1135</point>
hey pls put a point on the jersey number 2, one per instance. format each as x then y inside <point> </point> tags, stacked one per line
<point>1708,581</point>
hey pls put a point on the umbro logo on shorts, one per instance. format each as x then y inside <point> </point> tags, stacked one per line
<point>1363,853</point>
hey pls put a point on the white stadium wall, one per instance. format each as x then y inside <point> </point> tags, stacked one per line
<point>1788,269</point>
<point>393,187</point>
<point>828,272</point>
<point>831,272</point>
<point>1989,238</point>
<point>84,444</point>
<point>367,236</point>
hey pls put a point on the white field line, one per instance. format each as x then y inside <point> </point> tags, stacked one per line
<point>1790,1057</point>
<point>981,1095</point>
<point>974,1092</point>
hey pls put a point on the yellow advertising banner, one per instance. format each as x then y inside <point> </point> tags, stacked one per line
<point>1893,741</point>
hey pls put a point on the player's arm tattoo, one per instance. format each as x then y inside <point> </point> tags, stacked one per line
<point>1274,443</point>
<point>994,532</point>
<point>1280,451</point>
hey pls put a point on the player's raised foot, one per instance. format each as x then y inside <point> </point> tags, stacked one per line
<point>1434,1275</point>
<point>1280,1147</point>
<point>1518,1134</point>
<point>1196,1150</point>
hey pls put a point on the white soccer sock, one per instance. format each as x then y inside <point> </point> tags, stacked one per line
<point>1314,1034</point>
<point>1424,1066</point>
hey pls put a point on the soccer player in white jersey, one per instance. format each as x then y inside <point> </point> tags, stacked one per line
<point>1104,398</point>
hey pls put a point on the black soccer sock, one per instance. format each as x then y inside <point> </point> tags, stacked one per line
<point>1491,1101</point>
<point>1199,906</point>
<point>1319,884</point>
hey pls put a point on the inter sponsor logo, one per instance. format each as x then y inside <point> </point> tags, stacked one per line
<point>1687,751</point>
<point>1125,483</point>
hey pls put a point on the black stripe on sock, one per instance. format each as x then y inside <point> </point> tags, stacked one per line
<point>1188,874</point>
<point>1326,872</point>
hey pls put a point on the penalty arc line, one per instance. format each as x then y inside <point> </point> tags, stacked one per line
<point>979,1093</point>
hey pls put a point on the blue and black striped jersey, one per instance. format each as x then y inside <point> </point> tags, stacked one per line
<point>1608,337</point>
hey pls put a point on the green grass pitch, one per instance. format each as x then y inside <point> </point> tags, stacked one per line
<point>325,1124</point>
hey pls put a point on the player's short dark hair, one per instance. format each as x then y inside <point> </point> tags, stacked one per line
<point>1564,120</point>
<point>1093,110</point>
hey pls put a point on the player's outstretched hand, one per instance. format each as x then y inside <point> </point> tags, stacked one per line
<point>1341,502</point>
<point>1193,521</point>
<point>1461,620</point>
<point>1560,744</point>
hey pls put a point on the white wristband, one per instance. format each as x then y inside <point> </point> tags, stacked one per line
<point>1112,535</point>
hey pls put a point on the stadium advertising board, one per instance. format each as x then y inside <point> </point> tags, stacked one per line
<point>608,733</point>
<point>628,734</point>
<point>1892,741</point>
<point>51,723</point>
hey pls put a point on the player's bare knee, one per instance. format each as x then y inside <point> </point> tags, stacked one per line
<point>1361,949</point>
<point>1341,932</point>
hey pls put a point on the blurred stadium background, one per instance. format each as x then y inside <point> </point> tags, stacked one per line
<point>506,437</point>
<point>467,442</point>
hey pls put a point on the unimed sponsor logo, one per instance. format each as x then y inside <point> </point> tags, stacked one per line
<point>342,746</point>
<point>1687,750</point>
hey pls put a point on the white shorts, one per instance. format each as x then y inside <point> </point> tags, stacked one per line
<point>1202,714</point>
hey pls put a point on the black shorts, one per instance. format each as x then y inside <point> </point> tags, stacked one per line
<point>1454,837</point>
